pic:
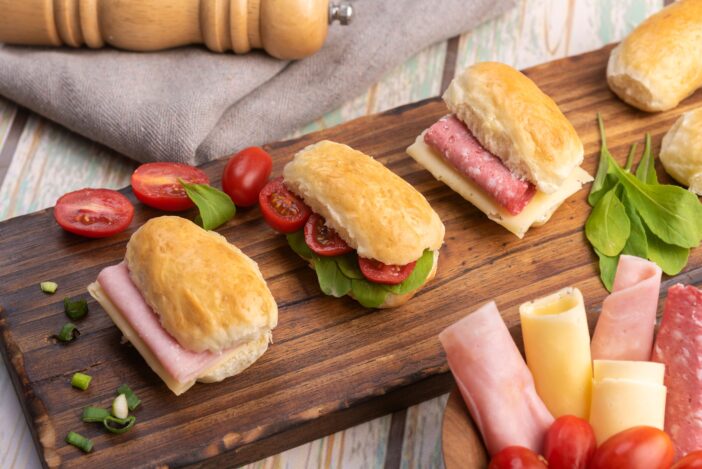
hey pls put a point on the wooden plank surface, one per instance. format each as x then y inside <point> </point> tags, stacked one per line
<point>330,355</point>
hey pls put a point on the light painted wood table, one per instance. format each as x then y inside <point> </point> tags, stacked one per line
<point>39,161</point>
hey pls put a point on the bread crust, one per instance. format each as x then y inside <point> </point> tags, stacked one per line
<point>681,151</point>
<point>207,293</point>
<point>659,63</point>
<point>375,211</point>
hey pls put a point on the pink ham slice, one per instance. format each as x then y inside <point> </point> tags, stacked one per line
<point>679,347</point>
<point>495,382</point>
<point>183,365</point>
<point>462,150</point>
<point>626,324</point>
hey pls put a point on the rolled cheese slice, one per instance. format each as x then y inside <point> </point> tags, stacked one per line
<point>626,394</point>
<point>495,382</point>
<point>557,346</point>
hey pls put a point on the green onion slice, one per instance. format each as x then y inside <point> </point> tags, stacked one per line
<point>132,400</point>
<point>81,381</point>
<point>95,414</point>
<point>69,332</point>
<point>79,441</point>
<point>122,425</point>
<point>48,287</point>
<point>75,309</point>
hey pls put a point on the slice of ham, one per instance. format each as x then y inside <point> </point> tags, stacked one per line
<point>182,364</point>
<point>464,152</point>
<point>626,324</point>
<point>494,381</point>
<point>679,347</point>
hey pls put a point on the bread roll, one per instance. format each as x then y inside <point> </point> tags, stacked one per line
<point>375,211</point>
<point>517,122</point>
<point>681,152</point>
<point>659,63</point>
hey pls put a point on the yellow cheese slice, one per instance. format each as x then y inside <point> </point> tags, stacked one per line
<point>557,346</point>
<point>536,213</point>
<point>626,394</point>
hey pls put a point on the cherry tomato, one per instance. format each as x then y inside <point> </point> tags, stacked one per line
<point>570,443</point>
<point>245,175</point>
<point>322,239</point>
<point>635,448</point>
<point>690,461</point>
<point>282,209</point>
<point>157,185</point>
<point>95,213</point>
<point>517,457</point>
<point>387,274</point>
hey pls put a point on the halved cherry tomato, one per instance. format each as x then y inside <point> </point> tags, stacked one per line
<point>570,443</point>
<point>517,457</point>
<point>635,448</point>
<point>322,239</point>
<point>157,185</point>
<point>690,461</point>
<point>282,209</point>
<point>245,175</point>
<point>387,274</point>
<point>95,213</point>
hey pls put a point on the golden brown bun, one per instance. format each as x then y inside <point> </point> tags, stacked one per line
<point>659,63</point>
<point>237,360</point>
<point>208,294</point>
<point>681,151</point>
<point>375,211</point>
<point>517,122</point>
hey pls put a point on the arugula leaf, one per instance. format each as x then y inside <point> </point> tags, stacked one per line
<point>672,259</point>
<point>216,208</point>
<point>630,157</point>
<point>646,170</point>
<point>637,244</point>
<point>605,178</point>
<point>608,268</point>
<point>417,277</point>
<point>370,295</point>
<point>608,227</point>
<point>331,280</point>
<point>297,242</point>
<point>348,264</point>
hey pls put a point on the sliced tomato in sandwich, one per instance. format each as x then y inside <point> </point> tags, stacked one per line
<point>322,239</point>
<point>387,274</point>
<point>282,210</point>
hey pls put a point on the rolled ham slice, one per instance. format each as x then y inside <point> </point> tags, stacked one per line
<point>182,364</point>
<point>626,324</point>
<point>679,347</point>
<point>464,152</point>
<point>494,381</point>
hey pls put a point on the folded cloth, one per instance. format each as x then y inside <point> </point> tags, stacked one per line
<point>191,105</point>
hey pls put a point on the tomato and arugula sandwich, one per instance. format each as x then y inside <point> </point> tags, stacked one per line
<point>505,147</point>
<point>194,306</point>
<point>365,231</point>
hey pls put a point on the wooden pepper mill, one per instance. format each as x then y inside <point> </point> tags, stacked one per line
<point>286,29</point>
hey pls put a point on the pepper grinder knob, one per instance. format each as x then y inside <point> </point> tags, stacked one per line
<point>341,12</point>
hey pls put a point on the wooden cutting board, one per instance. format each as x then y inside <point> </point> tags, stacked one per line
<point>333,363</point>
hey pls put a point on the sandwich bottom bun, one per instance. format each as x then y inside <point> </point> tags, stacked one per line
<point>237,360</point>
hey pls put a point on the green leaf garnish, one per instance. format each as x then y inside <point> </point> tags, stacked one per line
<point>608,268</point>
<point>216,208</point>
<point>646,171</point>
<point>370,295</point>
<point>418,276</point>
<point>332,280</point>
<point>297,242</point>
<point>672,259</point>
<point>607,228</point>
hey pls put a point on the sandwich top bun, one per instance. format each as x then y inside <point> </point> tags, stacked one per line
<point>208,294</point>
<point>375,211</point>
<point>681,151</point>
<point>517,122</point>
<point>659,63</point>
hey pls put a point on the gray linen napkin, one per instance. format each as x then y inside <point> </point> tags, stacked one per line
<point>193,106</point>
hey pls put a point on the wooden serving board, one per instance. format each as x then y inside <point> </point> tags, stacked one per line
<point>333,363</point>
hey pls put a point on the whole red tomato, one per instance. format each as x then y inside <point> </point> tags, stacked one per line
<point>570,443</point>
<point>517,457</point>
<point>635,448</point>
<point>245,175</point>
<point>691,461</point>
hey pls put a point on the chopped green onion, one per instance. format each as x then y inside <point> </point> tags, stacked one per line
<point>69,332</point>
<point>132,400</point>
<point>119,407</point>
<point>48,287</point>
<point>95,414</point>
<point>75,309</point>
<point>81,381</point>
<point>79,441</point>
<point>124,425</point>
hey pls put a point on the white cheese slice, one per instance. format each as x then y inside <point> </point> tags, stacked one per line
<point>536,213</point>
